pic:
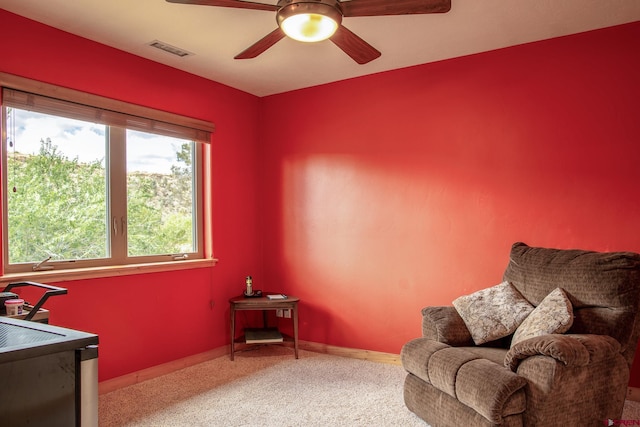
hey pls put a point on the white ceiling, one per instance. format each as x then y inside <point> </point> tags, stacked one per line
<point>215,35</point>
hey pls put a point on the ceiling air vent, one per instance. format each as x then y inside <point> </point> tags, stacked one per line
<point>170,49</point>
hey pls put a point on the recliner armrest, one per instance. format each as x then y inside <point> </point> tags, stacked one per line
<point>444,324</point>
<point>570,349</point>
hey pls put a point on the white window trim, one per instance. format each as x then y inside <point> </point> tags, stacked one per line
<point>108,104</point>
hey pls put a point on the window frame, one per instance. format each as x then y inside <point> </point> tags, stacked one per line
<point>122,111</point>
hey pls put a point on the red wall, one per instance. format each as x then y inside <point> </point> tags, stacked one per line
<point>373,197</point>
<point>387,193</point>
<point>135,316</point>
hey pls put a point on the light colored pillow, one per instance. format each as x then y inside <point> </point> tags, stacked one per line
<point>493,313</point>
<point>554,315</point>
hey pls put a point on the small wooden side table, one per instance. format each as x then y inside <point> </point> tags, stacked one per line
<point>263,303</point>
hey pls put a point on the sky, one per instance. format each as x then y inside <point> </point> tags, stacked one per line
<point>86,141</point>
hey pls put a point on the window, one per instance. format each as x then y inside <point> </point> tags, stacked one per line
<point>87,186</point>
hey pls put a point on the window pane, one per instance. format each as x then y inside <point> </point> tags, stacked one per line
<point>160,195</point>
<point>56,188</point>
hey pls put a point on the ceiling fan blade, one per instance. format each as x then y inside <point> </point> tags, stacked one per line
<point>261,45</point>
<point>395,7</point>
<point>238,4</point>
<point>358,49</point>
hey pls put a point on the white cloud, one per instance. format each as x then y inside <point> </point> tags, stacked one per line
<point>86,141</point>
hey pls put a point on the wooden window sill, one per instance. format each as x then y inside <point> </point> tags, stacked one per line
<point>55,276</point>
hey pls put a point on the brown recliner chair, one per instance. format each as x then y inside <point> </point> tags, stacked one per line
<point>578,378</point>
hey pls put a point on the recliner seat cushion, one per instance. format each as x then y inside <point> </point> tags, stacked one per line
<point>488,388</point>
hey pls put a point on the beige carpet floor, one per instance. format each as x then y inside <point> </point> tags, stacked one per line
<point>267,386</point>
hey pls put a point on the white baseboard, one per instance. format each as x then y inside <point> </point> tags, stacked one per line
<point>175,365</point>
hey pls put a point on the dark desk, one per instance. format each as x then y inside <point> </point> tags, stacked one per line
<point>263,303</point>
<point>49,375</point>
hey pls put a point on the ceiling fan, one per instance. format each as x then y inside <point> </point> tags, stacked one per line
<point>316,20</point>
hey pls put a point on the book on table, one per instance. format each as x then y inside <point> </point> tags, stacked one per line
<point>262,335</point>
<point>277,296</point>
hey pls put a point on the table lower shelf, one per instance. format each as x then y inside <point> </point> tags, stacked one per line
<point>263,336</point>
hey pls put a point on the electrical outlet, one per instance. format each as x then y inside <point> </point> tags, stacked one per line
<point>287,314</point>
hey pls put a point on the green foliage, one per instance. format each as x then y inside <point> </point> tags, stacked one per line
<point>59,208</point>
<point>159,210</point>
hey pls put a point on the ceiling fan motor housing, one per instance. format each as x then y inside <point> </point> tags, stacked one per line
<point>328,8</point>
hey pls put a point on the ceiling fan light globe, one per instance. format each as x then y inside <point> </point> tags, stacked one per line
<point>309,20</point>
<point>309,27</point>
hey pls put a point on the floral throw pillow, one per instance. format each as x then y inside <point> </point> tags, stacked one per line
<point>493,313</point>
<point>554,315</point>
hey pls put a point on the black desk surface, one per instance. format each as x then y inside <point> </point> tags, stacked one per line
<point>20,339</point>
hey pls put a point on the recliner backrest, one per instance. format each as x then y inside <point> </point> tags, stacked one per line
<point>604,287</point>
